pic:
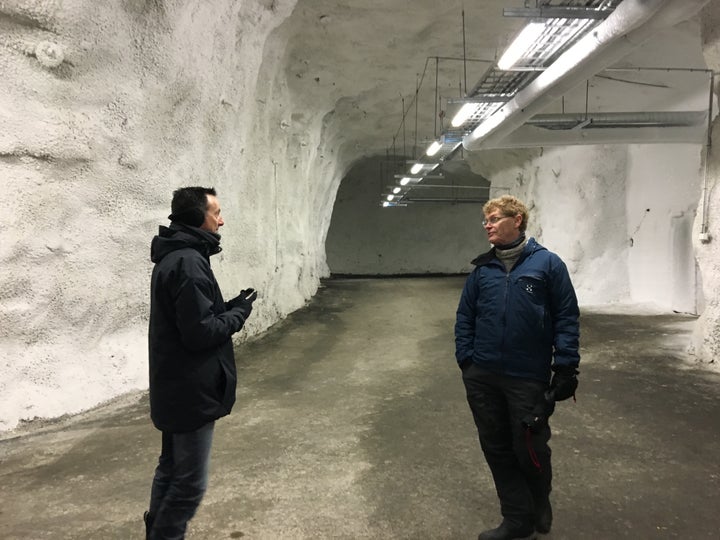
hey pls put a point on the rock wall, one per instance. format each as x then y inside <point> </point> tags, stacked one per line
<point>576,199</point>
<point>420,238</point>
<point>663,190</point>
<point>706,336</point>
<point>620,216</point>
<point>106,108</point>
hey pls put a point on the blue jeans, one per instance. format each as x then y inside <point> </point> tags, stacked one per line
<point>180,482</point>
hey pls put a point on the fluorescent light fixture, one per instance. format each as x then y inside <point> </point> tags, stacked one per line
<point>465,112</point>
<point>416,168</point>
<point>385,204</point>
<point>404,181</point>
<point>520,45</point>
<point>489,124</point>
<point>396,190</point>
<point>571,58</point>
<point>390,197</point>
<point>433,148</point>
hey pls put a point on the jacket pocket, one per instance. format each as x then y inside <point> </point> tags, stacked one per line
<point>529,305</point>
<point>532,288</point>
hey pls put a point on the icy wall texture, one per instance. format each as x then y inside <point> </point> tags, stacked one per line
<point>576,200</point>
<point>663,190</point>
<point>366,239</point>
<point>105,109</point>
<point>706,337</point>
<point>620,216</point>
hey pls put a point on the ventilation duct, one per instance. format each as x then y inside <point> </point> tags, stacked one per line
<point>630,24</point>
<point>599,120</point>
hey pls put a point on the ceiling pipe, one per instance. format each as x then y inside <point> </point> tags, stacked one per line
<point>619,119</point>
<point>535,137</point>
<point>630,24</point>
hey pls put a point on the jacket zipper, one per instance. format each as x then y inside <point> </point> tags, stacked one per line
<point>504,314</point>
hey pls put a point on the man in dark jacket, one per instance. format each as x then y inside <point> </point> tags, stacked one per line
<point>516,338</point>
<point>192,366</point>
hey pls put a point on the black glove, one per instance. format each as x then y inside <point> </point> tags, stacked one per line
<point>538,418</point>
<point>564,382</point>
<point>243,302</point>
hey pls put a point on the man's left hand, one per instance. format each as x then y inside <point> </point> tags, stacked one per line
<point>538,418</point>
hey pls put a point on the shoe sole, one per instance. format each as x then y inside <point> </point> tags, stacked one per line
<point>532,536</point>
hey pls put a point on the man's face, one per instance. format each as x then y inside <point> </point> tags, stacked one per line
<point>502,229</point>
<point>213,219</point>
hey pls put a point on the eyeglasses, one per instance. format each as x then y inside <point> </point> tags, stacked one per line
<point>493,220</point>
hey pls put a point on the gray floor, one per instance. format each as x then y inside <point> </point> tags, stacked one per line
<point>351,423</point>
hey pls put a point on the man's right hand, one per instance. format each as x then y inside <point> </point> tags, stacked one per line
<point>465,363</point>
<point>564,382</point>
<point>536,420</point>
<point>249,295</point>
<point>244,301</point>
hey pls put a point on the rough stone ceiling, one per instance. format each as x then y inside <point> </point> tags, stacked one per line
<point>367,57</point>
<point>365,60</point>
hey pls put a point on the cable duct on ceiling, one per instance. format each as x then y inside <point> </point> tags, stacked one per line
<point>630,24</point>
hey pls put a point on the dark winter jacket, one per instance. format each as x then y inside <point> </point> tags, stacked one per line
<point>192,366</point>
<point>516,322</point>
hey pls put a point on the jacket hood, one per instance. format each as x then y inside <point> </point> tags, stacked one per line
<point>179,236</point>
<point>484,258</point>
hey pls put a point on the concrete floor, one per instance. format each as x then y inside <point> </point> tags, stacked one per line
<point>351,422</point>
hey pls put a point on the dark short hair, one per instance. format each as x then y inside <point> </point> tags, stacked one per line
<point>189,205</point>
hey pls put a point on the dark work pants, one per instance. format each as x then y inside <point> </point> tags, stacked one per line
<point>180,481</point>
<point>498,404</point>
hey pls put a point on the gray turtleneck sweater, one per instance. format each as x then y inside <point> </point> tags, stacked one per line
<point>510,256</point>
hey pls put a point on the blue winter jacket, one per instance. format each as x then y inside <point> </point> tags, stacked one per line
<point>516,322</point>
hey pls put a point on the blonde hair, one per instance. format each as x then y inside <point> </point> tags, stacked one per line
<point>509,206</point>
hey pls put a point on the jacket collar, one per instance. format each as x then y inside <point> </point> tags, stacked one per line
<point>489,256</point>
<point>179,236</point>
<point>211,239</point>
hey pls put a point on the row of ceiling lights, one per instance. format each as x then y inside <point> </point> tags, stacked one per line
<point>530,51</point>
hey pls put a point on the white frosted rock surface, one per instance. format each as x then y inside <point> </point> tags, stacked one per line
<point>107,107</point>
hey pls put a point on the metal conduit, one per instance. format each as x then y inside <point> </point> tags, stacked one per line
<point>631,23</point>
<point>616,119</point>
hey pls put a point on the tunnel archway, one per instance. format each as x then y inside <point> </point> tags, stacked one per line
<point>437,231</point>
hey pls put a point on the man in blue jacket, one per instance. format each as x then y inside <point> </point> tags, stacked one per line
<point>192,365</point>
<point>516,338</point>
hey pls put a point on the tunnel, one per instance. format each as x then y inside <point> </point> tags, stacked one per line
<point>308,118</point>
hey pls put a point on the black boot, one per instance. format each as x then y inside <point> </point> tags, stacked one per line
<point>543,516</point>
<point>508,531</point>
<point>148,519</point>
